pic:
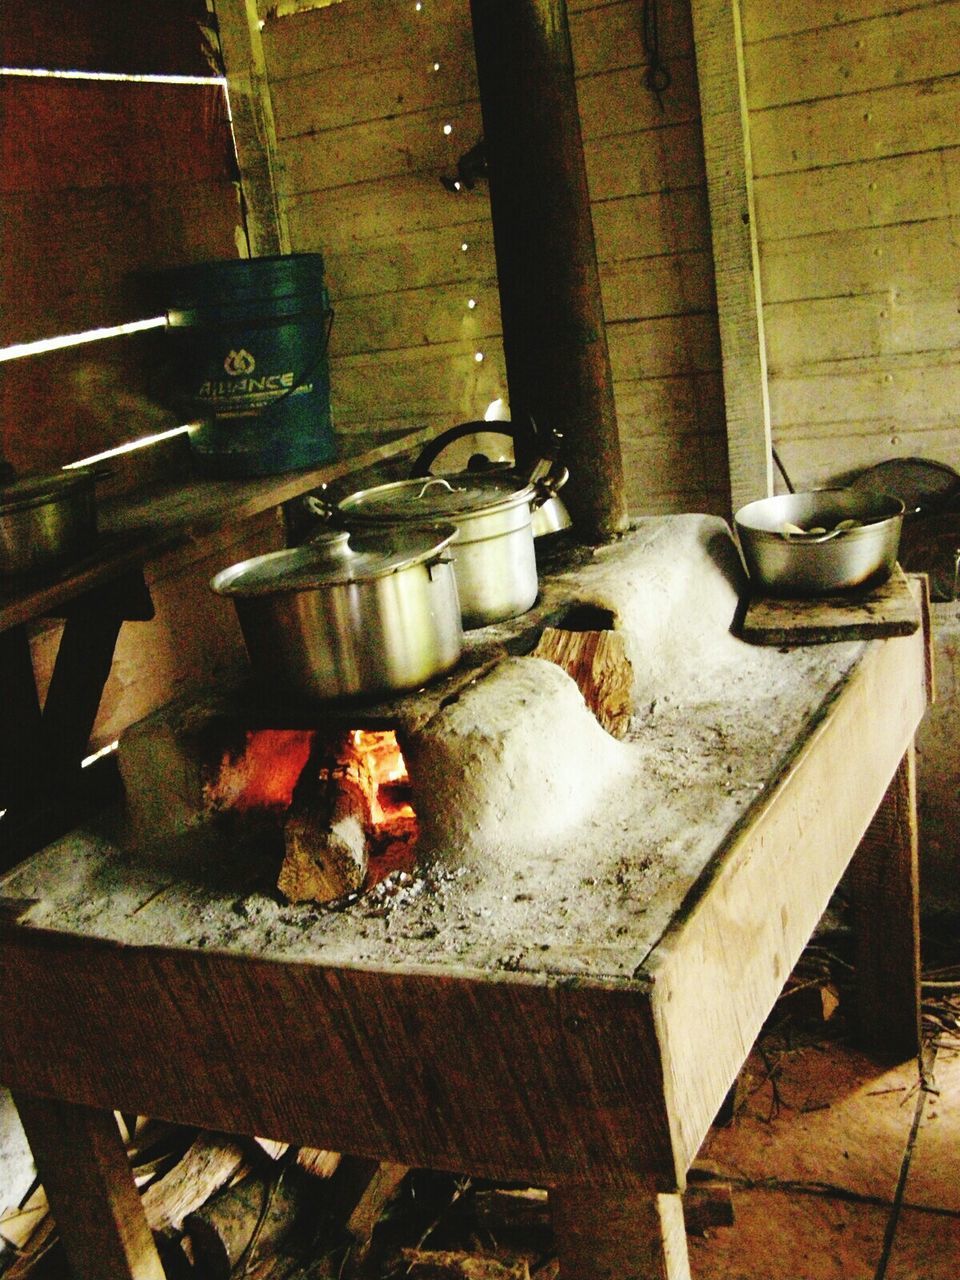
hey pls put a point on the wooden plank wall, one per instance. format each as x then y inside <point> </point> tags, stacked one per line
<point>855,129</point>
<point>361,92</point>
<point>100,180</point>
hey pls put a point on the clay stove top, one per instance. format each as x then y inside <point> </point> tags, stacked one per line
<point>549,848</point>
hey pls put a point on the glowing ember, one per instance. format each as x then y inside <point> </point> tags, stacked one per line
<point>264,774</point>
<point>389,779</point>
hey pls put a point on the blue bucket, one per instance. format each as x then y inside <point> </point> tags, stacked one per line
<point>248,344</point>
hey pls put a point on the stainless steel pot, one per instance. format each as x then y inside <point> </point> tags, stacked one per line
<point>493,552</point>
<point>821,541</point>
<point>46,521</point>
<point>350,614</point>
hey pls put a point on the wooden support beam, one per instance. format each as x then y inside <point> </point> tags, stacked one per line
<point>253,129</point>
<point>554,335</point>
<point>885,883</point>
<point>615,1235</point>
<point>88,1181</point>
<point>726,143</point>
<point>80,672</point>
<point>21,747</point>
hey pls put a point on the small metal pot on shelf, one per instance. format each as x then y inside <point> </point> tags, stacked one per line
<point>46,520</point>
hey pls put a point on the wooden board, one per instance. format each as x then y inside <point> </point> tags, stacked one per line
<point>139,529</point>
<point>734,227</point>
<point>887,610</point>
<point>110,35</point>
<point>912,45</point>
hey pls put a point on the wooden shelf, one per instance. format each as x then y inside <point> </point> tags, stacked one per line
<point>139,527</point>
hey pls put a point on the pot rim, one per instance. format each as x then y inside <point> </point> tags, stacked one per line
<point>40,489</point>
<point>333,562</point>
<point>764,517</point>
<point>482,496</point>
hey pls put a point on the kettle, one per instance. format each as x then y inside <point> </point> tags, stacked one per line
<point>493,446</point>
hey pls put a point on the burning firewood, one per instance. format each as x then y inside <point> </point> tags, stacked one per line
<point>325,834</point>
<point>598,662</point>
<point>350,805</point>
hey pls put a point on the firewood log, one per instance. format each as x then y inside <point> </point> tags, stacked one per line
<point>211,1162</point>
<point>598,662</point>
<point>367,1211</point>
<point>274,1149</point>
<point>319,1163</point>
<point>452,1264</point>
<point>325,836</point>
<point>249,1220</point>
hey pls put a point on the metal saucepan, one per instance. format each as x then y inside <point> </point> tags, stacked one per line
<point>493,552</point>
<point>46,520</point>
<point>821,541</point>
<point>350,614</point>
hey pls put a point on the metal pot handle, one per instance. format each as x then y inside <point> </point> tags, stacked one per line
<point>318,507</point>
<point>436,480</point>
<point>547,484</point>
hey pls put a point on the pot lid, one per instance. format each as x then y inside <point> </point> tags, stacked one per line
<point>335,558</point>
<point>35,490</point>
<point>445,497</point>
<point>922,484</point>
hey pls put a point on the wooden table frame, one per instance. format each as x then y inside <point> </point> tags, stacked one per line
<point>601,1091</point>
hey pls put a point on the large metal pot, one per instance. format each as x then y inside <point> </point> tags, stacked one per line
<point>493,552</point>
<point>350,614</point>
<point>821,541</point>
<point>46,521</point>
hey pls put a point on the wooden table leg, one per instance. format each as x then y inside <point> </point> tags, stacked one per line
<point>85,1172</point>
<point>885,885</point>
<point>619,1235</point>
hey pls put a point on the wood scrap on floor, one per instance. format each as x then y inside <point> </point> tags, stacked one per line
<point>322,1164</point>
<point>254,1217</point>
<point>450,1264</point>
<point>211,1162</point>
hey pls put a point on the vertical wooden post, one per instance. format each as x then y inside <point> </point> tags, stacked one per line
<point>619,1235</point>
<point>554,336</point>
<point>21,740</point>
<point>86,1174</point>
<point>251,108</point>
<point>726,144</point>
<point>885,883</point>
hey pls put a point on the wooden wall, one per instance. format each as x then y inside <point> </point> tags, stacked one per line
<point>99,181</point>
<point>854,117</point>
<point>360,93</point>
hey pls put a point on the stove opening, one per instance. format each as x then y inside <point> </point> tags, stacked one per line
<point>351,821</point>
